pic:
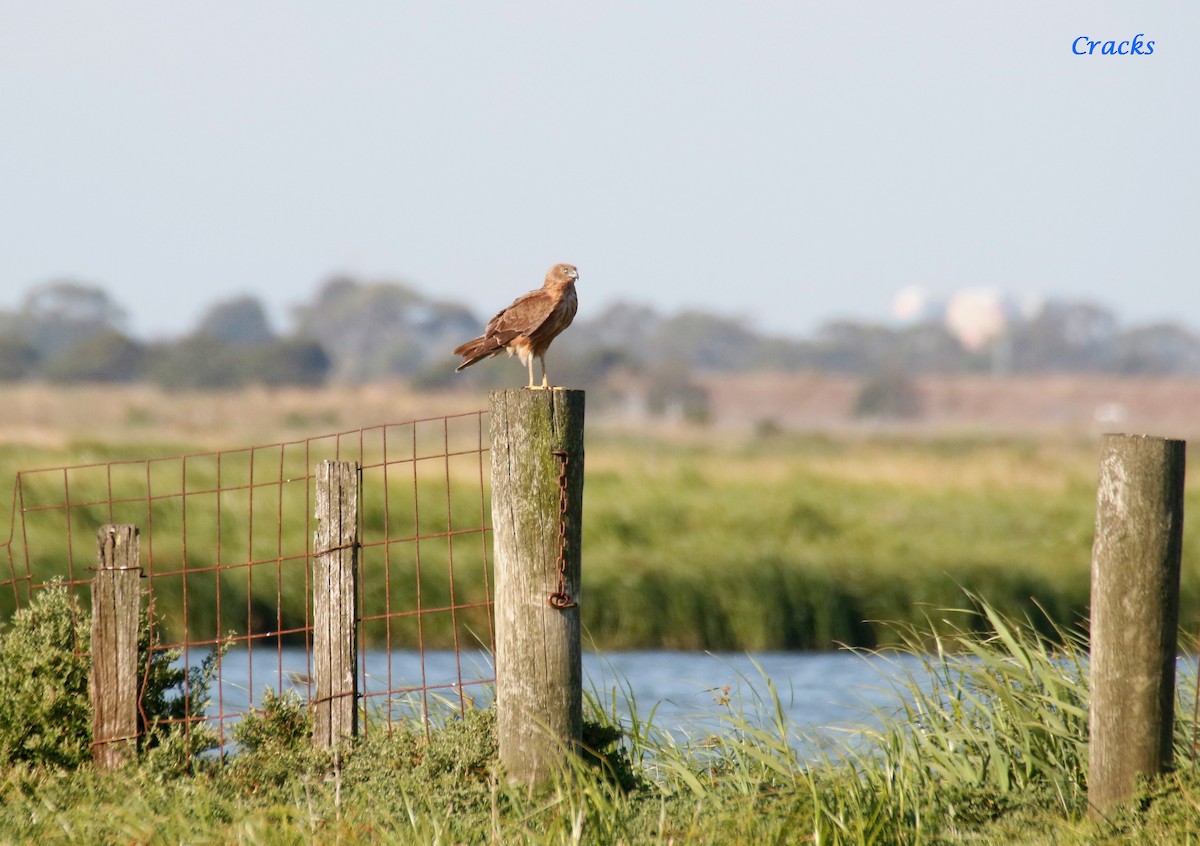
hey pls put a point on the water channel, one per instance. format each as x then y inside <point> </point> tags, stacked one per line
<point>824,695</point>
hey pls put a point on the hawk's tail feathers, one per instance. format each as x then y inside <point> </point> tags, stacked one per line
<point>469,347</point>
<point>475,350</point>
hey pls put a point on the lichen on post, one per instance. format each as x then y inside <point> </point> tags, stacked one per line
<point>1134,613</point>
<point>537,503</point>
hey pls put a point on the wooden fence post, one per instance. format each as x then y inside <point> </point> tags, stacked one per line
<point>113,683</point>
<point>335,604</point>
<point>537,503</point>
<point>1135,612</point>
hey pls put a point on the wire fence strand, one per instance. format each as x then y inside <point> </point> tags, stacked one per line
<point>227,556</point>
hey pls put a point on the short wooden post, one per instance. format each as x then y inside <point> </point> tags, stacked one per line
<point>335,604</point>
<point>1134,616</point>
<point>537,503</point>
<point>116,603</point>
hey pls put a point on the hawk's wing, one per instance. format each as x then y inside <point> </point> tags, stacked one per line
<point>523,317</point>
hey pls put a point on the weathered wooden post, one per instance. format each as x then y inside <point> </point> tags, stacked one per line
<point>335,604</point>
<point>113,683</point>
<point>1135,611</point>
<point>537,504</point>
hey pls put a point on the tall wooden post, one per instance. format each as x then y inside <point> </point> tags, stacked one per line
<point>1135,612</point>
<point>335,604</point>
<point>113,683</point>
<point>537,504</point>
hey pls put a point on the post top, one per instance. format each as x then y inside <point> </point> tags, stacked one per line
<point>526,390</point>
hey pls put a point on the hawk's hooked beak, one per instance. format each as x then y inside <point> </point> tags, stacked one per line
<point>574,274</point>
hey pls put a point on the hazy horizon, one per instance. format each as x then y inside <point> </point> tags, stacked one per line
<point>977,306</point>
<point>785,163</point>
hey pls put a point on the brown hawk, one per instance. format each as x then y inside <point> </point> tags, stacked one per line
<point>528,325</point>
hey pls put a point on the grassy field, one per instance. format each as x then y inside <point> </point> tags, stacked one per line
<point>693,538</point>
<point>990,748</point>
<point>790,542</point>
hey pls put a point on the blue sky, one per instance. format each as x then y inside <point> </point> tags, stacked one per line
<point>786,162</point>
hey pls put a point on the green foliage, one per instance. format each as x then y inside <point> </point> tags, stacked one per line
<point>275,742</point>
<point>289,361</point>
<point>890,395</point>
<point>45,709</point>
<point>242,320</point>
<point>802,542</point>
<point>380,330</point>
<point>18,357</point>
<point>989,754</point>
<point>282,726</point>
<point>460,753</point>
<point>603,747</point>
<point>1170,804</point>
<point>1027,702</point>
<point>205,362</point>
<point>783,542</point>
<point>105,356</point>
<point>987,717</point>
<point>172,693</point>
<point>376,330</point>
<point>60,314</point>
<point>45,713</point>
<point>197,362</point>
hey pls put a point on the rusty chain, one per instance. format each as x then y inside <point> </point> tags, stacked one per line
<point>560,599</point>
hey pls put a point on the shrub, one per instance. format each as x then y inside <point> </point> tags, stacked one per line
<point>18,358</point>
<point>45,713</point>
<point>45,708</point>
<point>276,743</point>
<point>170,694</point>
<point>106,356</point>
<point>891,395</point>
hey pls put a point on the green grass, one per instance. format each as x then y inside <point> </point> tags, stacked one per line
<point>794,543</point>
<point>776,542</point>
<point>992,752</point>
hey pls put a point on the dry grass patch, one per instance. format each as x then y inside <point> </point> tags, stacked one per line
<point>56,417</point>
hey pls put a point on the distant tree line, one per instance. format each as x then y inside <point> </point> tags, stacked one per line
<point>68,332</point>
<point>359,331</point>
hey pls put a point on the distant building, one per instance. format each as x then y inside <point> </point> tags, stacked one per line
<point>914,304</point>
<point>975,316</point>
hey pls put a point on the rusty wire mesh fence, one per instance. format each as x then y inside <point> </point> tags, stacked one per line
<point>227,558</point>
